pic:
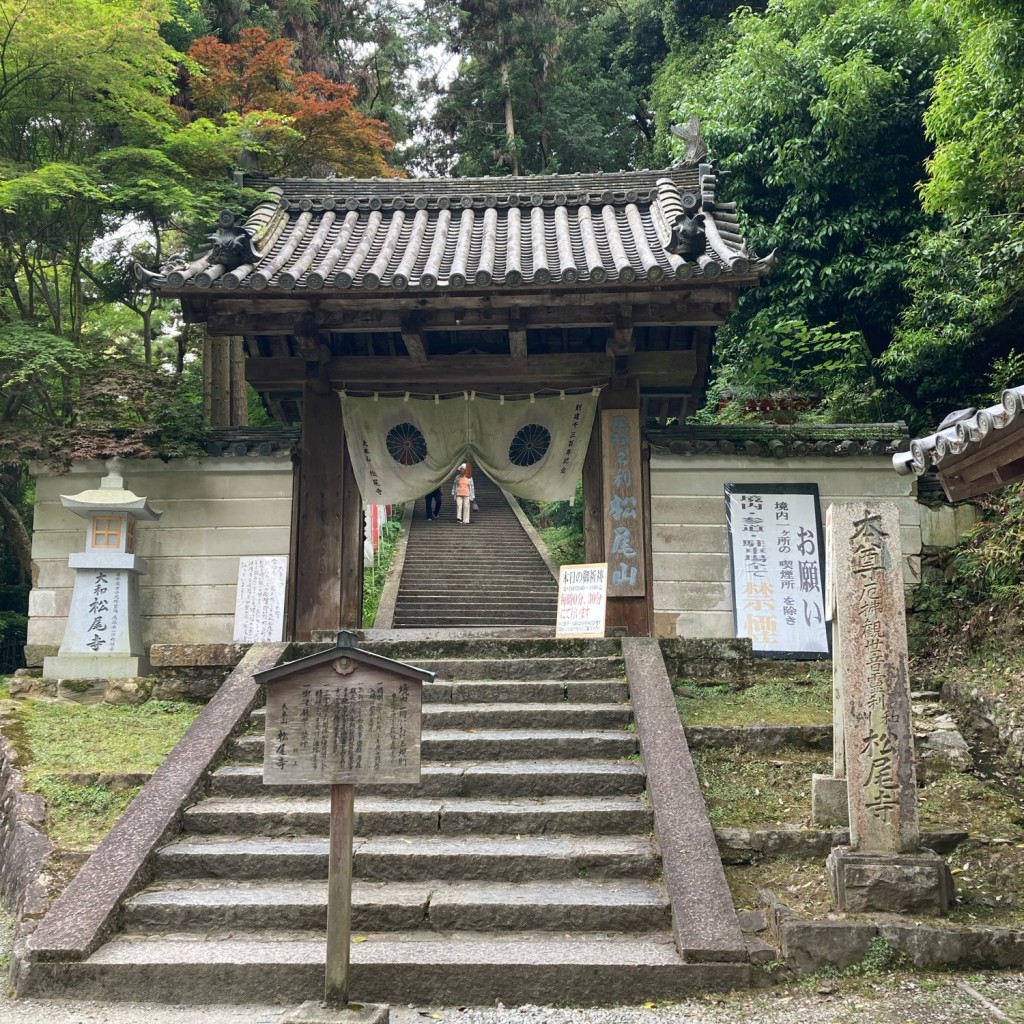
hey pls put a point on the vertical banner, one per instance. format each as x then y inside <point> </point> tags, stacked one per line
<point>623,505</point>
<point>582,590</point>
<point>776,556</point>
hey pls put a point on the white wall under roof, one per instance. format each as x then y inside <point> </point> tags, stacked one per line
<point>215,511</point>
<point>692,587</point>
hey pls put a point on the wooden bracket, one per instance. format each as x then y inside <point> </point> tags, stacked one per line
<point>414,338</point>
<point>621,339</point>
<point>517,341</point>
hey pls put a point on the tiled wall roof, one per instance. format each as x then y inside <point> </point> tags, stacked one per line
<point>960,434</point>
<point>781,441</point>
<point>397,234</point>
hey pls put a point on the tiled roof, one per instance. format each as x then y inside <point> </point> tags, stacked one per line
<point>466,233</point>
<point>963,438</point>
<point>781,441</point>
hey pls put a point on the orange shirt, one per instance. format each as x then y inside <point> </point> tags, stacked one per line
<point>462,487</point>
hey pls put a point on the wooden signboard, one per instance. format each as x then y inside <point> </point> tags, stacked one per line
<point>343,722</point>
<point>623,504</point>
<point>582,599</point>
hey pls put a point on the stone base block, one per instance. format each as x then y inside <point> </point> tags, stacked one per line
<point>829,804</point>
<point>95,666</point>
<point>355,1013</point>
<point>895,883</point>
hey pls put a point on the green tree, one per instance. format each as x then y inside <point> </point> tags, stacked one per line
<point>966,281</point>
<point>542,86</point>
<point>817,109</point>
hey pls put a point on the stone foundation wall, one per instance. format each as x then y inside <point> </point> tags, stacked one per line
<point>24,846</point>
<point>692,588</point>
<point>215,511</point>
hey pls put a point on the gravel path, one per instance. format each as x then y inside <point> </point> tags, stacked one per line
<point>940,999</point>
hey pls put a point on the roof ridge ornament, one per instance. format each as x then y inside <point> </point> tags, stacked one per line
<point>695,148</point>
<point>230,242</point>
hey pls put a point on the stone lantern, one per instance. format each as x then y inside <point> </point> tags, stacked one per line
<point>103,636</point>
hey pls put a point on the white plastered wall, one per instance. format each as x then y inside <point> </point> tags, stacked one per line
<point>215,511</point>
<point>692,588</point>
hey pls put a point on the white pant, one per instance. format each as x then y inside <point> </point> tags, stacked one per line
<point>462,506</point>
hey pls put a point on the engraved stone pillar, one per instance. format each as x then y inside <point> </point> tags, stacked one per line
<point>103,636</point>
<point>883,868</point>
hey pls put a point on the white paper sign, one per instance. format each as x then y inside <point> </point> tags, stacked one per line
<point>775,547</point>
<point>259,599</point>
<point>582,594</point>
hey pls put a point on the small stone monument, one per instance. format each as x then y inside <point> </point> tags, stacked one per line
<point>829,800</point>
<point>884,868</point>
<point>341,717</point>
<point>103,636</point>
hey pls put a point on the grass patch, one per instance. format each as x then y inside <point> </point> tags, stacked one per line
<point>55,740</point>
<point>957,800</point>
<point>746,791</point>
<point>77,816</point>
<point>802,884</point>
<point>791,701</point>
<point>98,737</point>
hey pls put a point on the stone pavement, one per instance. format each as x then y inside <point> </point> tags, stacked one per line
<point>938,999</point>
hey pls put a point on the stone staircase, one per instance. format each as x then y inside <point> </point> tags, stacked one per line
<point>485,574</point>
<point>523,868</point>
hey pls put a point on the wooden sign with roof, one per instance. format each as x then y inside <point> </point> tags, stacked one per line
<point>343,716</point>
<point>514,285</point>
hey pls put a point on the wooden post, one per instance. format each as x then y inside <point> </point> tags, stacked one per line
<point>339,897</point>
<point>318,561</point>
<point>352,527</point>
<point>239,401</point>
<point>207,378</point>
<point>220,383</point>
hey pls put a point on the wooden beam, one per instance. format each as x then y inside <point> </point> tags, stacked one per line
<point>412,335</point>
<point>444,318</point>
<point>446,372</point>
<point>663,369</point>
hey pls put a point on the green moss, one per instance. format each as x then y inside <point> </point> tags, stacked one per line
<point>747,791</point>
<point>806,701</point>
<point>77,816</point>
<point>55,738</point>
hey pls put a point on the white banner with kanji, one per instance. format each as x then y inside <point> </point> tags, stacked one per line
<point>777,559</point>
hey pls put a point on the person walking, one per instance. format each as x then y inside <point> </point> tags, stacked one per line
<point>463,492</point>
<point>433,503</point>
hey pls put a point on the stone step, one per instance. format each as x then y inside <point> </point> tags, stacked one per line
<point>489,745</point>
<point>272,815</point>
<point>501,693</point>
<point>575,905</point>
<point>508,618</point>
<point>469,779</point>
<point>410,858</point>
<point>608,667</point>
<point>494,647</point>
<point>450,969</point>
<point>469,600</point>
<point>542,715</point>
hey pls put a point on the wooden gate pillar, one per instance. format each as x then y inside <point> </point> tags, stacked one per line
<point>328,565</point>
<point>626,615</point>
